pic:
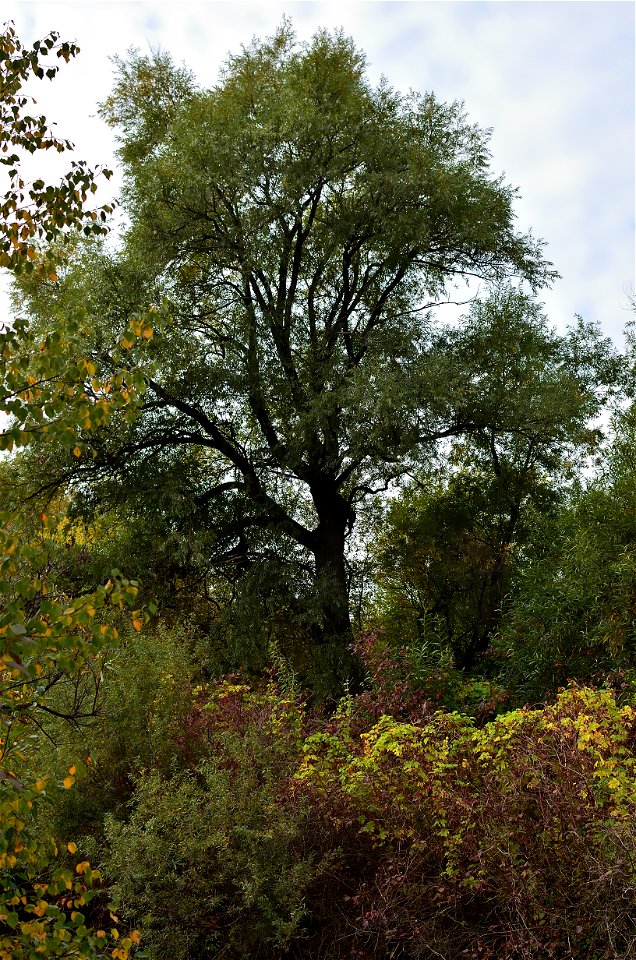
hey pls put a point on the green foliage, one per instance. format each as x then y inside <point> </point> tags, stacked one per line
<point>572,614</point>
<point>214,855</point>
<point>291,227</point>
<point>45,636</point>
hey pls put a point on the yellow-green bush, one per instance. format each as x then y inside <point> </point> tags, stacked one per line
<point>516,840</point>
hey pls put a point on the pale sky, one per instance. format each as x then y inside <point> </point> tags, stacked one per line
<point>555,81</point>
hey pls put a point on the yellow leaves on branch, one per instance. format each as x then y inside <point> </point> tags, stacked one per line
<point>138,327</point>
<point>68,782</point>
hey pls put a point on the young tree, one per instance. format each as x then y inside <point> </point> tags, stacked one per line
<point>572,610</point>
<point>293,228</point>
<point>43,636</point>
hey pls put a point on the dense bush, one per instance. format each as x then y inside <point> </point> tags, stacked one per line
<point>214,852</point>
<point>281,834</point>
<point>516,840</point>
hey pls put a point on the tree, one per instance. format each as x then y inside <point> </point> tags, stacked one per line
<point>572,611</point>
<point>293,228</point>
<point>42,637</point>
<point>451,544</point>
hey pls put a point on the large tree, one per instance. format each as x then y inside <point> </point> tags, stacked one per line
<point>292,228</point>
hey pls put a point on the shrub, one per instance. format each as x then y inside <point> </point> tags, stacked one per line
<point>277,833</point>
<point>516,840</point>
<point>214,854</point>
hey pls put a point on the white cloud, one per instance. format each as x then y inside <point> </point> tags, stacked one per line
<point>554,80</point>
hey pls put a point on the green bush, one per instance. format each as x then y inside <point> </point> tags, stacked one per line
<point>142,700</point>
<point>214,857</point>
<point>572,613</point>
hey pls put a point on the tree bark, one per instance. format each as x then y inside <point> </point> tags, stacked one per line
<point>334,663</point>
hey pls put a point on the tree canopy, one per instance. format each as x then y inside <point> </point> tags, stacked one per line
<point>291,231</point>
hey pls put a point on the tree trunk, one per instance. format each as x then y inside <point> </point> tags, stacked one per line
<point>495,592</point>
<point>334,665</point>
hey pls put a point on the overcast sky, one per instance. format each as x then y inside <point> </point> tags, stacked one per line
<point>555,81</point>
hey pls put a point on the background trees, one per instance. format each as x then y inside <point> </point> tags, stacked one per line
<point>571,613</point>
<point>455,539</point>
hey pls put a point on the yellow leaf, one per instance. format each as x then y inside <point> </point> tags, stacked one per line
<point>72,771</point>
<point>40,909</point>
<point>68,782</point>
<point>77,452</point>
<point>147,333</point>
<point>71,847</point>
<point>53,276</point>
<point>137,624</point>
<point>82,867</point>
